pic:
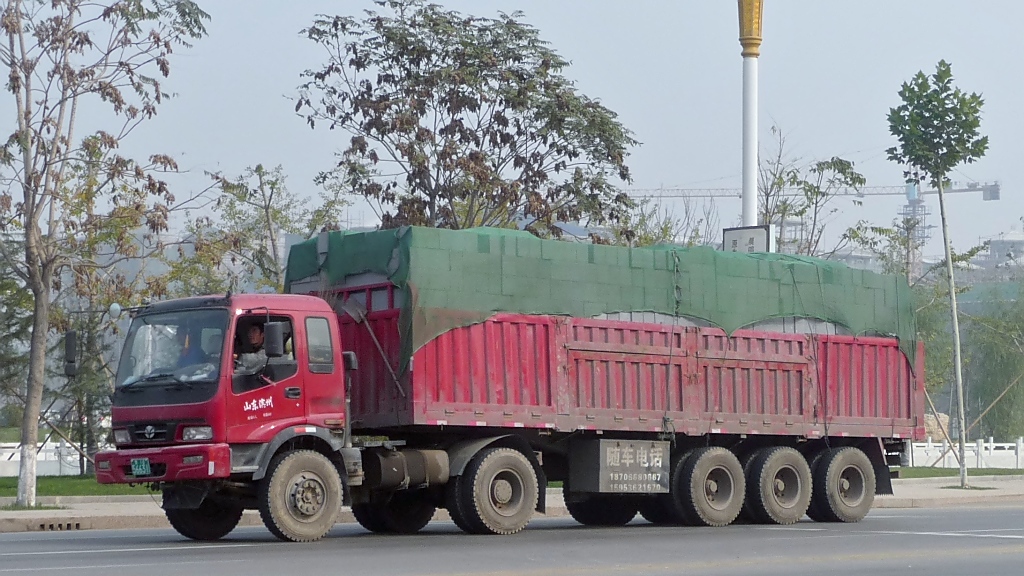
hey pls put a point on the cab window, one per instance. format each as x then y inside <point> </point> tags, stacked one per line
<point>318,345</point>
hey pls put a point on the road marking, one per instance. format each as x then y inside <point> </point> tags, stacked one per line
<point>107,566</point>
<point>791,528</point>
<point>190,548</point>
<point>954,534</point>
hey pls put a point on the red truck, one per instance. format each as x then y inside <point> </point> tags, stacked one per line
<point>420,369</point>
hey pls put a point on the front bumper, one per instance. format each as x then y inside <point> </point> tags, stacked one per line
<point>167,464</point>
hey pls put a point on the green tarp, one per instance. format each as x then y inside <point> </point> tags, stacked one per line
<point>460,277</point>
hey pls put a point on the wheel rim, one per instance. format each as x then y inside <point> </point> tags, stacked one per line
<point>507,492</point>
<point>719,488</point>
<point>851,489</point>
<point>308,495</point>
<point>786,487</point>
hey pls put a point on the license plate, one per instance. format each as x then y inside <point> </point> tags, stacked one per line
<point>140,467</point>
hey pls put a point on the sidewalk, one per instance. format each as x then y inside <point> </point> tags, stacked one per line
<point>137,512</point>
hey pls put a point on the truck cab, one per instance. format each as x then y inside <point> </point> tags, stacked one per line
<point>200,395</point>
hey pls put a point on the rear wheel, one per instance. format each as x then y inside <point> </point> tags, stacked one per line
<point>498,492</point>
<point>407,512</point>
<point>601,509</point>
<point>812,510</point>
<point>709,487</point>
<point>211,521</point>
<point>655,511</point>
<point>453,501</point>
<point>369,516</point>
<point>778,486</point>
<point>300,497</point>
<point>844,486</point>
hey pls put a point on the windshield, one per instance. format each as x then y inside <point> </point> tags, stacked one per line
<point>179,347</point>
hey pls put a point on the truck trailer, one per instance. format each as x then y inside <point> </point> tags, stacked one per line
<point>414,369</point>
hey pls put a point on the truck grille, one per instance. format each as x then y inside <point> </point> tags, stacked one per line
<point>150,432</point>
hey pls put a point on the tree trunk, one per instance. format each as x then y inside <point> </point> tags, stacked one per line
<point>958,371</point>
<point>34,393</point>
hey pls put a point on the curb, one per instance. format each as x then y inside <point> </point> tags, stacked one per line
<point>69,520</point>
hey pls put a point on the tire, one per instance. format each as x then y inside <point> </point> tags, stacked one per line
<point>498,492</point>
<point>453,502</point>
<point>300,497</point>
<point>369,517</point>
<point>778,486</point>
<point>671,505</point>
<point>844,486</point>
<point>600,510</point>
<point>747,513</point>
<point>211,521</point>
<point>655,511</point>
<point>812,510</point>
<point>407,512</point>
<point>710,487</point>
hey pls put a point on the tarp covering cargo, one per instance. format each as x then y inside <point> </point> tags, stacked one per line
<point>461,277</point>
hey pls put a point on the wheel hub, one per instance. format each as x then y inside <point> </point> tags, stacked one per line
<point>308,495</point>
<point>501,490</point>
<point>852,486</point>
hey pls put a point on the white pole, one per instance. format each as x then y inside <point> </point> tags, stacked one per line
<point>750,141</point>
<point>750,12</point>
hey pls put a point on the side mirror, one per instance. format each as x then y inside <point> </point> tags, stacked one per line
<point>71,354</point>
<point>350,361</point>
<point>273,339</point>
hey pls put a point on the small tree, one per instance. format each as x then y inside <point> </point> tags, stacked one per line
<point>648,223</point>
<point>457,121</point>
<point>937,127</point>
<point>789,191</point>
<point>240,241</point>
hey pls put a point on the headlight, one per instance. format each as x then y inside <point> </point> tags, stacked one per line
<point>121,436</point>
<point>197,433</point>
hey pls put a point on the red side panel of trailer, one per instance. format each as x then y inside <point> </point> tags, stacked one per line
<point>523,371</point>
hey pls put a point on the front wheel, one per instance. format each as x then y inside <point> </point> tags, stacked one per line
<point>300,497</point>
<point>211,521</point>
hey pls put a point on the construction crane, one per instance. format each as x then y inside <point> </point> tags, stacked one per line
<point>914,210</point>
<point>990,191</point>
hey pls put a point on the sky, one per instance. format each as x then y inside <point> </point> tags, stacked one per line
<point>829,73</point>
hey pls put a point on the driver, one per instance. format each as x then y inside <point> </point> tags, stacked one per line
<point>255,358</point>
<point>191,351</point>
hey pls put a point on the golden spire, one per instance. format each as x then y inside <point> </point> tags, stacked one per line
<point>750,26</point>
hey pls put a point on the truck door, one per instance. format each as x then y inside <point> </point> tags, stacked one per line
<point>325,383</point>
<point>266,394</point>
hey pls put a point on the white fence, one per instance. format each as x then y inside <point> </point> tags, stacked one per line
<point>979,454</point>
<point>53,459</point>
<point>60,459</point>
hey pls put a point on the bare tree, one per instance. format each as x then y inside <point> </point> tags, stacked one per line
<point>71,194</point>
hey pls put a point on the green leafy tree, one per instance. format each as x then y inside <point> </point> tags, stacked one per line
<point>937,127</point>
<point>456,121</point>
<point>59,181</point>
<point>15,330</point>
<point>997,345</point>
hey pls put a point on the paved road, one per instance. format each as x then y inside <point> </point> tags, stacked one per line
<point>982,540</point>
